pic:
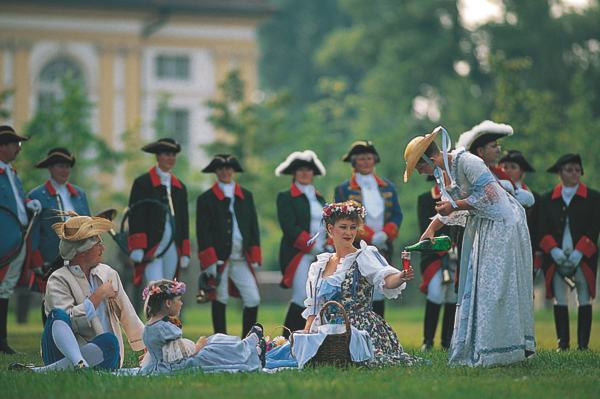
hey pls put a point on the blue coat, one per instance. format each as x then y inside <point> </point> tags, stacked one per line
<point>44,241</point>
<point>10,228</point>
<point>350,190</point>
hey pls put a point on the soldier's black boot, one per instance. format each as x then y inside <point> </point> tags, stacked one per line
<point>218,317</point>
<point>293,320</point>
<point>249,316</point>
<point>448,324</point>
<point>4,348</point>
<point>561,322</point>
<point>432,313</point>
<point>584,327</point>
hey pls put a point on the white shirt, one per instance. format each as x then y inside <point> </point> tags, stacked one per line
<point>372,201</point>
<point>65,195</point>
<point>21,212</point>
<point>567,194</point>
<point>237,241</point>
<point>316,210</point>
<point>165,180</point>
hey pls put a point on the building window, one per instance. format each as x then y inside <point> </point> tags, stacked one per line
<point>176,123</point>
<point>50,80</point>
<point>173,67</point>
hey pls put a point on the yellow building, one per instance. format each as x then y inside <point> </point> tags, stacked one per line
<point>129,54</point>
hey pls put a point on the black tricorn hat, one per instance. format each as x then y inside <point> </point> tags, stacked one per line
<point>360,147</point>
<point>565,159</point>
<point>162,145</point>
<point>222,160</point>
<point>517,157</point>
<point>8,135</point>
<point>56,155</point>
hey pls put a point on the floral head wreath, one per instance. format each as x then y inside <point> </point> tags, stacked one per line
<point>346,208</point>
<point>172,288</point>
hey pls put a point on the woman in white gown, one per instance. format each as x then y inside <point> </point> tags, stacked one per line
<point>494,317</point>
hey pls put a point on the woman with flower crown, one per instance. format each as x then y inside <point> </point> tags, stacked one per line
<point>350,276</point>
<point>168,351</point>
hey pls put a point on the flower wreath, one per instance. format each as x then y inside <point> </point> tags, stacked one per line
<point>171,288</point>
<point>346,208</point>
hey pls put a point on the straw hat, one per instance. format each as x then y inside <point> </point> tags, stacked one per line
<point>415,149</point>
<point>78,228</point>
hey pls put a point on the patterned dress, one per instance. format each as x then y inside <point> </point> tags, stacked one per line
<point>353,284</point>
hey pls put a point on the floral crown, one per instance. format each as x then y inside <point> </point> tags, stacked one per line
<point>171,288</point>
<point>347,208</point>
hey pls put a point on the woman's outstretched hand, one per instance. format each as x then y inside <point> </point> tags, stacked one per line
<point>444,208</point>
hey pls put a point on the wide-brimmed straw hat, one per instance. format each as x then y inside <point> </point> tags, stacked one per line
<point>55,156</point>
<point>298,159</point>
<point>415,149</point>
<point>78,228</point>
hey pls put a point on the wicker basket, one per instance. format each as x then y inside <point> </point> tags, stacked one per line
<point>335,349</point>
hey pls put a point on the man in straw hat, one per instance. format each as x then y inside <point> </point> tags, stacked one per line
<point>13,223</point>
<point>56,195</point>
<point>482,140</point>
<point>86,303</point>
<point>568,233</point>
<point>159,235</point>
<point>378,196</point>
<point>496,261</point>
<point>229,242</point>
<point>300,215</point>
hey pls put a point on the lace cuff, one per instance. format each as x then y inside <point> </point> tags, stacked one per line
<point>178,349</point>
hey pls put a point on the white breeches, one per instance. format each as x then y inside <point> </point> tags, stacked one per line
<point>441,293</point>
<point>7,286</point>
<point>163,267</point>
<point>299,283</point>
<point>561,289</point>
<point>239,272</point>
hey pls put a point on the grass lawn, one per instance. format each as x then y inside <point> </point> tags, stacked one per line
<point>549,375</point>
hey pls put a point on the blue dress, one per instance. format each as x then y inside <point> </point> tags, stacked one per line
<point>221,353</point>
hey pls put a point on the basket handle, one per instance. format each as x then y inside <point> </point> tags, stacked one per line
<point>339,305</point>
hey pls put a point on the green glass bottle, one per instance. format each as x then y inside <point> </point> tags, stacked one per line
<point>441,243</point>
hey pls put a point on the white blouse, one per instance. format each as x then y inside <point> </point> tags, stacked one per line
<point>371,264</point>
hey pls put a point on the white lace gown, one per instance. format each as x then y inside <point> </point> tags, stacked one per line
<point>494,318</point>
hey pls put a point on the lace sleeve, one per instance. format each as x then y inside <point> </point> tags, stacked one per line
<point>311,309</point>
<point>486,196</point>
<point>375,269</point>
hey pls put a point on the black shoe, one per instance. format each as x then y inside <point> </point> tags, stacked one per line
<point>4,348</point>
<point>258,329</point>
<point>21,367</point>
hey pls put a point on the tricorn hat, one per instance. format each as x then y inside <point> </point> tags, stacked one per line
<point>565,159</point>
<point>360,147</point>
<point>162,145</point>
<point>222,160</point>
<point>517,157</point>
<point>56,155</point>
<point>415,149</point>
<point>298,159</point>
<point>8,135</point>
<point>482,134</point>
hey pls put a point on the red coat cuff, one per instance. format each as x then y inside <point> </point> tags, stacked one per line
<point>36,259</point>
<point>254,255</point>
<point>586,246</point>
<point>207,257</point>
<point>137,241</point>
<point>185,248</point>
<point>367,234</point>
<point>547,243</point>
<point>391,230</point>
<point>301,242</point>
